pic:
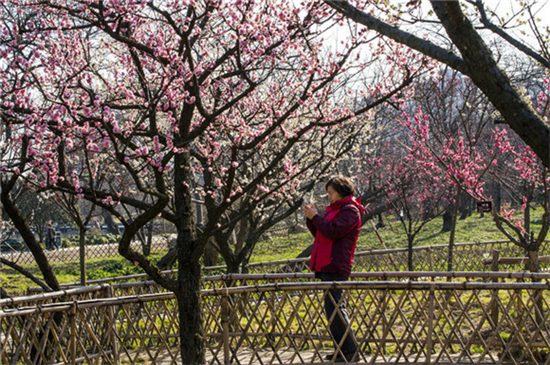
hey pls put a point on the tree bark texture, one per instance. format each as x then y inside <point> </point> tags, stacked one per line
<point>190,314</point>
<point>189,271</point>
<point>533,261</point>
<point>447,220</point>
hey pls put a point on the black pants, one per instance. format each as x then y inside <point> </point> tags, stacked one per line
<point>340,322</point>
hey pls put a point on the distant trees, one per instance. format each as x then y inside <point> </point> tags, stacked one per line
<point>446,145</point>
<point>476,153</point>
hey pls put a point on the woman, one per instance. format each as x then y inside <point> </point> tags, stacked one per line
<point>332,257</point>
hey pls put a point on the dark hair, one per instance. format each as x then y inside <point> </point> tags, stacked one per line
<point>343,185</point>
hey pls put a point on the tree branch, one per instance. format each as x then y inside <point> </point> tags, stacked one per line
<point>26,273</point>
<point>423,46</point>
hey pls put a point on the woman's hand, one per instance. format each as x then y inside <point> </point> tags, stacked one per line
<point>310,211</point>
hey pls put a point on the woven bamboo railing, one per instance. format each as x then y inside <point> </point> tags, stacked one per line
<point>421,317</point>
<point>468,256</point>
<point>132,288</point>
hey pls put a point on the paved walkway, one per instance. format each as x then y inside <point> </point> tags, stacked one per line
<point>310,358</point>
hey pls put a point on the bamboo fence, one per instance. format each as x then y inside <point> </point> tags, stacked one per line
<point>468,256</point>
<point>397,317</point>
<point>71,254</point>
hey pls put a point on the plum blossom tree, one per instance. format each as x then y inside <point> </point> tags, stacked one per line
<point>459,115</point>
<point>165,100</point>
<point>81,215</point>
<point>413,192</point>
<point>310,160</point>
<point>14,159</point>
<point>469,161</point>
<point>530,173</point>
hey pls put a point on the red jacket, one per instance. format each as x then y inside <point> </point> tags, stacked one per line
<point>336,236</point>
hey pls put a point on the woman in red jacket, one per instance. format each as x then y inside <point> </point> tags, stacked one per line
<point>332,257</point>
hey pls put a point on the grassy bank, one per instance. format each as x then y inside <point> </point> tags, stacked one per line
<point>392,235</point>
<point>69,272</point>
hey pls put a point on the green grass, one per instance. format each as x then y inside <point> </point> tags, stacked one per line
<point>69,272</point>
<point>281,248</point>
<point>471,229</point>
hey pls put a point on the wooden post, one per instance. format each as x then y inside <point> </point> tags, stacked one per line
<point>225,327</point>
<point>111,313</point>
<point>431,309</point>
<point>494,303</point>
<point>430,259</point>
<point>74,334</point>
<point>494,262</point>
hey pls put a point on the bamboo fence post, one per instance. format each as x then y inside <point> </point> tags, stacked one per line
<point>494,304</point>
<point>431,309</point>
<point>111,314</point>
<point>73,333</point>
<point>271,336</point>
<point>225,326</point>
<point>430,259</point>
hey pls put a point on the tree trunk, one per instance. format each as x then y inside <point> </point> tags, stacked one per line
<point>450,253</point>
<point>410,241</point>
<point>380,223</point>
<point>447,220</point>
<point>190,319</point>
<point>527,213</point>
<point>211,254</point>
<point>82,254</point>
<point>539,304</point>
<point>108,219</point>
<point>167,261</point>
<point>465,207</point>
<point>147,241</point>
<point>189,271</point>
<point>498,197</point>
<point>533,261</point>
<point>232,266</point>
